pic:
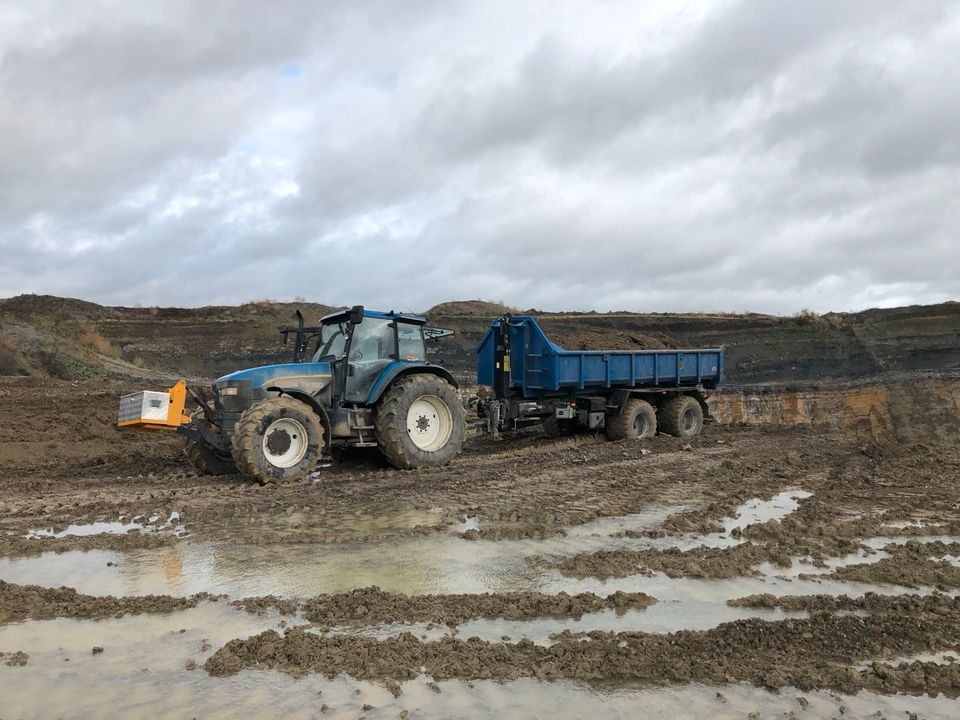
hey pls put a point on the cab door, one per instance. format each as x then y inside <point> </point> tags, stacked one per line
<point>373,346</point>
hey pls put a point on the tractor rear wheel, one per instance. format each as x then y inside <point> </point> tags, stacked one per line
<point>420,422</point>
<point>204,458</point>
<point>278,440</point>
<point>637,420</point>
<point>680,416</point>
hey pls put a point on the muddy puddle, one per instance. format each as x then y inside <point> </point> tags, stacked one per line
<point>309,526</point>
<point>139,524</point>
<point>431,563</point>
<point>144,671</point>
<point>147,662</point>
<point>446,563</point>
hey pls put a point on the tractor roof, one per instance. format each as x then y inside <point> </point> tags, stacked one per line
<point>343,315</point>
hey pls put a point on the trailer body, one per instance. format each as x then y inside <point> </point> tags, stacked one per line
<point>534,379</point>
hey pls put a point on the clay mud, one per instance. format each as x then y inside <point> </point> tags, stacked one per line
<point>754,570</point>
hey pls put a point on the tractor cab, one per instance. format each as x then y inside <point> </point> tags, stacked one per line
<point>361,344</point>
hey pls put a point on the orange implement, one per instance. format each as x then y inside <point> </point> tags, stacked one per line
<point>147,410</point>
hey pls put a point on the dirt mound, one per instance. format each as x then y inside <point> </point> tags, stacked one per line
<point>613,341</point>
<point>470,308</point>
<point>74,339</point>
<point>22,602</point>
<point>807,654</point>
<point>373,605</point>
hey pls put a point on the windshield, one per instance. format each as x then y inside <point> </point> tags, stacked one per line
<point>330,346</point>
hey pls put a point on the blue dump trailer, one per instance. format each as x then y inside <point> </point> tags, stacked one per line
<point>627,393</point>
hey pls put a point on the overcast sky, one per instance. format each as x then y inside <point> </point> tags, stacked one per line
<point>739,155</point>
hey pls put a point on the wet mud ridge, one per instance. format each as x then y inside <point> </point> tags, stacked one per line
<point>372,605</point>
<point>21,602</point>
<point>807,654</point>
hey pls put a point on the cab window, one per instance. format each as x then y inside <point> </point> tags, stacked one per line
<point>333,340</point>
<point>410,340</point>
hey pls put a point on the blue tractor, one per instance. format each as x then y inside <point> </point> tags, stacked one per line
<point>359,379</point>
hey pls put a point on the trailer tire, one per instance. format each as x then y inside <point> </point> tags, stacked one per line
<point>425,404</point>
<point>204,458</point>
<point>636,421</point>
<point>680,416</point>
<point>552,428</point>
<point>278,440</point>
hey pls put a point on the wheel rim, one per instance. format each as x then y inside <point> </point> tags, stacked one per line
<point>689,420</point>
<point>429,423</point>
<point>640,424</point>
<point>285,442</point>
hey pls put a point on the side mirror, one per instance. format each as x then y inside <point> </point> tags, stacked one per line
<point>356,314</point>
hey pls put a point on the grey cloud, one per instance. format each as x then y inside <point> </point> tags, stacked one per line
<point>767,156</point>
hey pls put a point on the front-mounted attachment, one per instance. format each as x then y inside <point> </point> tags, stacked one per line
<point>150,410</point>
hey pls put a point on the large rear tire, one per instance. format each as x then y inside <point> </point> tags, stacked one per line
<point>680,416</point>
<point>419,422</point>
<point>637,421</point>
<point>204,458</point>
<point>278,440</point>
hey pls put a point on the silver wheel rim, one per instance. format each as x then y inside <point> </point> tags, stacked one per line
<point>285,442</point>
<point>689,420</point>
<point>429,423</point>
<point>640,424</point>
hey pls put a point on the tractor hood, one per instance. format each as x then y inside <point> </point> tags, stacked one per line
<point>310,377</point>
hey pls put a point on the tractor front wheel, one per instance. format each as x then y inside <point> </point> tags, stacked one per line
<point>204,458</point>
<point>278,440</point>
<point>420,422</point>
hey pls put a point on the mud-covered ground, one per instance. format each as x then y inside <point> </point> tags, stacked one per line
<point>783,558</point>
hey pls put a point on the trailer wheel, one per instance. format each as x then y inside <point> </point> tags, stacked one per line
<point>420,422</point>
<point>552,428</point>
<point>204,458</point>
<point>680,416</point>
<point>637,420</point>
<point>277,440</point>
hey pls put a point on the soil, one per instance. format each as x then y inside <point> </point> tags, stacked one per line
<point>701,562</point>
<point>372,605</point>
<point>14,659</point>
<point>211,341</point>
<point>815,653</point>
<point>586,340</point>
<point>910,566</point>
<point>872,603</point>
<point>22,602</point>
<point>62,464</point>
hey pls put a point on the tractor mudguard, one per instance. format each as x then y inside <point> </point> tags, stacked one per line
<point>312,402</point>
<point>395,369</point>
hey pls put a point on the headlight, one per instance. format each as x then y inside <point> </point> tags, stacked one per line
<point>228,391</point>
